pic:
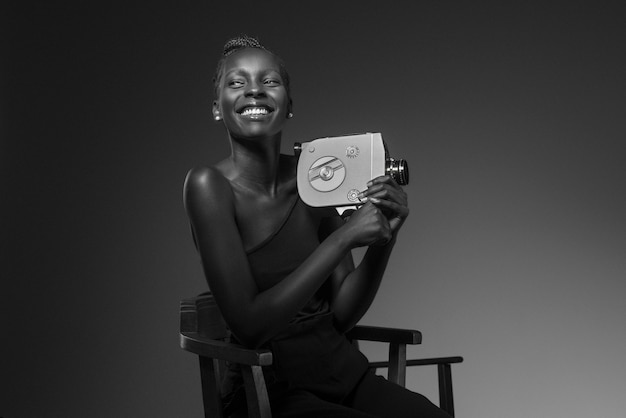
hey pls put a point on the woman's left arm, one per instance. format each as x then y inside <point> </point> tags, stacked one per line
<point>354,289</point>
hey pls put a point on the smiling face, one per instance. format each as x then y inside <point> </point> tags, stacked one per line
<point>252,97</point>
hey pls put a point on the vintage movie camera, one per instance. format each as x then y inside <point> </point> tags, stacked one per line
<point>333,171</point>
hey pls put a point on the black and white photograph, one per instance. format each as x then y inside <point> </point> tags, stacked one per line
<point>312,209</point>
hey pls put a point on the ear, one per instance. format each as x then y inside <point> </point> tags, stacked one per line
<point>290,107</point>
<point>217,114</point>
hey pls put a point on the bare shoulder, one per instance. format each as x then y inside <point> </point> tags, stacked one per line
<point>204,176</point>
<point>208,186</point>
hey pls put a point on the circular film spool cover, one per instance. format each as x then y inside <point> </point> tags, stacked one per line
<point>326,174</point>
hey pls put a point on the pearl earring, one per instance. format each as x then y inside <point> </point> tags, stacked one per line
<point>217,118</point>
<point>289,115</point>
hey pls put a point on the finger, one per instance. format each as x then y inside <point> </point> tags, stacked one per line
<point>385,193</point>
<point>382,179</point>
<point>398,214</point>
<point>382,183</point>
<point>399,210</point>
<point>378,187</point>
<point>395,223</point>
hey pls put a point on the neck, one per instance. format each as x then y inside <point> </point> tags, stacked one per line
<point>256,164</point>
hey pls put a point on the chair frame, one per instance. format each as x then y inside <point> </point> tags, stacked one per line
<point>203,332</point>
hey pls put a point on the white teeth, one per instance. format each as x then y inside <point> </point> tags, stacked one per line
<point>254,111</point>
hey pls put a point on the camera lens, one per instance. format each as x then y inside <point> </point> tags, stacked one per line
<point>398,170</point>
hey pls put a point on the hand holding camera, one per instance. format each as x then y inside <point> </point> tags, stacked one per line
<point>367,226</point>
<point>385,193</point>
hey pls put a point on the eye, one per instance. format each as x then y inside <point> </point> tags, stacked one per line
<point>235,83</point>
<point>271,82</point>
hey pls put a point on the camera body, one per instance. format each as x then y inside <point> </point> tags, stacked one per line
<point>333,171</point>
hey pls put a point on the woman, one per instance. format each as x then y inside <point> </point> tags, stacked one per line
<point>281,272</point>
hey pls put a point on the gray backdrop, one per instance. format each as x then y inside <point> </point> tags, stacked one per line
<point>512,119</point>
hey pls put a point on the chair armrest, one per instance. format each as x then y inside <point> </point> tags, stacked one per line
<point>433,361</point>
<point>203,346</point>
<point>420,362</point>
<point>383,334</point>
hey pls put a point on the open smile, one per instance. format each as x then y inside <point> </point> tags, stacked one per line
<point>255,110</point>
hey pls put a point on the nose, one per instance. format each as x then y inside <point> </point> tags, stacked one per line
<point>254,89</point>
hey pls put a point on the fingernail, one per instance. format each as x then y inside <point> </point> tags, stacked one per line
<point>369,183</point>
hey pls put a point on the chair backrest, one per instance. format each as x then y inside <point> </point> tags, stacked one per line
<point>201,315</point>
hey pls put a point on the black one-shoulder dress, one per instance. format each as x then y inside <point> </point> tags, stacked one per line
<point>310,354</point>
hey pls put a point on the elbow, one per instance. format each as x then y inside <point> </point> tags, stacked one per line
<point>250,333</point>
<point>346,317</point>
<point>343,326</point>
<point>249,339</point>
<point>343,323</point>
<point>254,324</point>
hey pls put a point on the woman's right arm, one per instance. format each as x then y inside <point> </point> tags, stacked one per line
<point>253,316</point>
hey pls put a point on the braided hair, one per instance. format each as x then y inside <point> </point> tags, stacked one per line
<point>241,42</point>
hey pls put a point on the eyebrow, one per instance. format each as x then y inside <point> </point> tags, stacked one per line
<point>241,71</point>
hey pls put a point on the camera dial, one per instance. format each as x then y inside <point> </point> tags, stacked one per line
<point>326,174</point>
